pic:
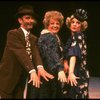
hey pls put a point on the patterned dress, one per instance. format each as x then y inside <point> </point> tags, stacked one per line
<point>76,46</point>
<point>51,53</point>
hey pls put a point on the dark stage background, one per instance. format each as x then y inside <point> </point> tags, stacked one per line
<point>7,22</point>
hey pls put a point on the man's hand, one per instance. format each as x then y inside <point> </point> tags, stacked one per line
<point>35,79</point>
<point>62,76</point>
<point>42,72</point>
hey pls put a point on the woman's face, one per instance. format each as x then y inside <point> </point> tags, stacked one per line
<point>54,26</point>
<point>75,25</point>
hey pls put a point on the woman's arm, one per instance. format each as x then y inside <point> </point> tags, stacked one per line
<point>71,76</point>
<point>66,66</point>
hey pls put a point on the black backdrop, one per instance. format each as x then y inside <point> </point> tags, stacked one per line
<point>7,21</point>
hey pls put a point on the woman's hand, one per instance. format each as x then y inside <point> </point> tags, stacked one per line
<point>62,76</point>
<point>72,79</point>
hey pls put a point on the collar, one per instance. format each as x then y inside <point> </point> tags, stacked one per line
<point>25,31</point>
<point>44,31</point>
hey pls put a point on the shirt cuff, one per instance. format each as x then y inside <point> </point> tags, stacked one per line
<point>33,70</point>
<point>39,66</point>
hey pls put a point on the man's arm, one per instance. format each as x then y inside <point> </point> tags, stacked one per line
<point>16,46</point>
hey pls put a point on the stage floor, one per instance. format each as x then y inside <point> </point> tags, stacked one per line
<point>94,88</point>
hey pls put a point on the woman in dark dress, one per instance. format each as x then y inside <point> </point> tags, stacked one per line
<point>51,53</point>
<point>76,54</point>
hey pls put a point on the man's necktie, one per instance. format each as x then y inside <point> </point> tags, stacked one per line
<point>28,46</point>
<point>28,50</point>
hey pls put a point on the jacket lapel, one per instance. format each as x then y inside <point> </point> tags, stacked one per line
<point>22,36</point>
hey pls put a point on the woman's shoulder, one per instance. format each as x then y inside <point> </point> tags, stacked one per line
<point>47,37</point>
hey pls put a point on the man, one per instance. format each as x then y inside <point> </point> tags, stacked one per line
<point>17,63</point>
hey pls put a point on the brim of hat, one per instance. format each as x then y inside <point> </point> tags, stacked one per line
<point>17,15</point>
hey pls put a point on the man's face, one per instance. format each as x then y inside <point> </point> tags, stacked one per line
<point>27,22</point>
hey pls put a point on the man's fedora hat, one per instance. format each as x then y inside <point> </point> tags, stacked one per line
<point>25,10</point>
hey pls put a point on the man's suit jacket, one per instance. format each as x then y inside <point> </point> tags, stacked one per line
<point>15,61</point>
